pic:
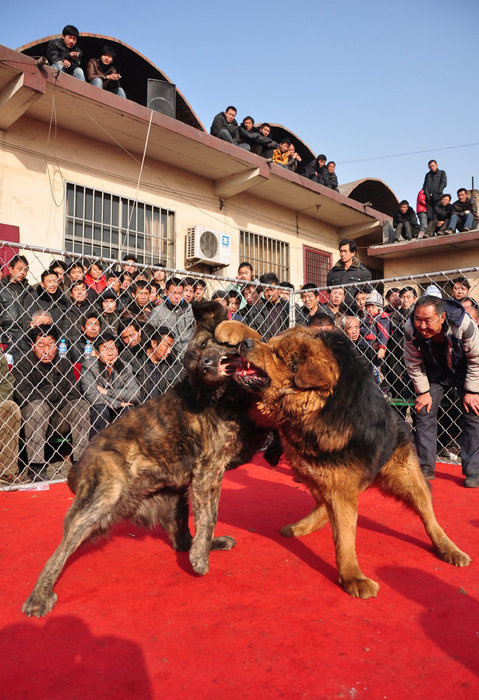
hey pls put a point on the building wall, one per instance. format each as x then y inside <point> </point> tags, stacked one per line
<point>35,167</point>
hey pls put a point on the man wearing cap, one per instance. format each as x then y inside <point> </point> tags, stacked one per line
<point>64,55</point>
<point>103,74</point>
<point>441,350</point>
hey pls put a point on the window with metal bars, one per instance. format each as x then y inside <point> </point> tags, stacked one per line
<point>106,225</point>
<point>265,254</point>
<point>316,266</point>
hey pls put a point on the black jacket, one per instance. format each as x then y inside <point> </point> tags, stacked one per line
<point>442,213</point>
<point>36,381</point>
<point>17,302</point>
<point>219,122</point>
<point>318,174</point>
<point>409,217</point>
<point>460,208</point>
<point>57,50</point>
<point>356,273</point>
<point>434,185</point>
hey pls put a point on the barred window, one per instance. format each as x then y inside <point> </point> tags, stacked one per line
<point>316,266</point>
<point>265,254</point>
<point>106,225</point>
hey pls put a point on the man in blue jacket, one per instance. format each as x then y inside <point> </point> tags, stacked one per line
<point>441,350</point>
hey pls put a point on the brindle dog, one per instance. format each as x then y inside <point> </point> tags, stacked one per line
<point>340,436</point>
<point>145,464</point>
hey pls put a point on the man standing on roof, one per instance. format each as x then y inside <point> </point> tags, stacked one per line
<point>64,54</point>
<point>348,268</point>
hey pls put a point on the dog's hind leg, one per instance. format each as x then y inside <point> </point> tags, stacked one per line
<point>91,512</point>
<point>402,478</point>
<point>311,522</point>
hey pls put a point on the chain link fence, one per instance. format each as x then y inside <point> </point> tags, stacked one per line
<point>85,339</point>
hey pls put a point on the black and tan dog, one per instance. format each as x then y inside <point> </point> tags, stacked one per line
<point>150,462</point>
<point>340,437</point>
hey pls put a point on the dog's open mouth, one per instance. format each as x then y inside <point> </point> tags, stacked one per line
<point>227,365</point>
<point>250,376</point>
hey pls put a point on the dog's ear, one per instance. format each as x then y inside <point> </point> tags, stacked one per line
<point>233,332</point>
<point>208,313</point>
<point>315,373</point>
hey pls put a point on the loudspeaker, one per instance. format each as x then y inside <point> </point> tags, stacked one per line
<point>161,96</point>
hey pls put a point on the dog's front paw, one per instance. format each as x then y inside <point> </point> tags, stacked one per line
<point>38,605</point>
<point>224,543</point>
<point>360,587</point>
<point>233,332</point>
<point>199,562</point>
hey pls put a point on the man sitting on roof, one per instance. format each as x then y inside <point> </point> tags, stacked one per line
<point>316,170</point>
<point>103,74</point>
<point>64,54</point>
<point>281,154</point>
<point>225,127</point>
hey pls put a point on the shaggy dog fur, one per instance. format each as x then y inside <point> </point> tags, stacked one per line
<point>150,462</point>
<point>340,437</point>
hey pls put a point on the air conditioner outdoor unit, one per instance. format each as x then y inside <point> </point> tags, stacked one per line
<point>203,245</point>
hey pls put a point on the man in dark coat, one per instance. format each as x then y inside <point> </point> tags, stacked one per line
<point>47,394</point>
<point>64,54</point>
<point>348,268</point>
<point>463,213</point>
<point>225,127</point>
<point>17,301</point>
<point>405,224</point>
<point>316,170</point>
<point>434,185</point>
<point>272,316</point>
<point>442,214</point>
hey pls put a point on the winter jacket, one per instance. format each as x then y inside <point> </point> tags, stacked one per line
<point>121,385</point>
<point>57,50</point>
<point>331,181</point>
<point>375,330</point>
<point>338,276</point>
<point>409,217</point>
<point>219,122</point>
<point>318,174</point>
<point>455,363</point>
<point>270,318</point>
<point>434,185</point>
<point>461,208</point>
<point>53,382</point>
<point>421,202</point>
<point>178,319</point>
<point>442,213</point>
<point>97,285</point>
<point>17,302</point>
<point>94,71</point>
<point>54,304</point>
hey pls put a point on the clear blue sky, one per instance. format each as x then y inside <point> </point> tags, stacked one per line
<point>359,81</point>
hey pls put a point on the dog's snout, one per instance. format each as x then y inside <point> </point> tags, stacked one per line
<point>247,344</point>
<point>207,361</point>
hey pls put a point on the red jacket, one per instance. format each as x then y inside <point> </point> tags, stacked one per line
<point>421,202</point>
<point>97,285</point>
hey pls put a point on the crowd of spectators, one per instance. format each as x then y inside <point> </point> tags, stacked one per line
<point>435,215</point>
<point>87,343</point>
<point>257,139</point>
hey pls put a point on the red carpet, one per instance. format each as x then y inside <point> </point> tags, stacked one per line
<point>269,620</point>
